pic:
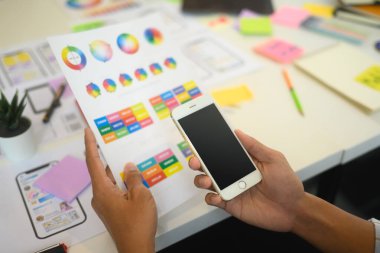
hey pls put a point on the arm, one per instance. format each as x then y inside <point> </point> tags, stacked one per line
<point>279,203</point>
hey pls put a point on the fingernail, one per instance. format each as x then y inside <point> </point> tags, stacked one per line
<point>130,167</point>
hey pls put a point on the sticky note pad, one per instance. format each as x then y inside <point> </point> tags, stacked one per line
<point>231,96</point>
<point>289,16</point>
<point>370,77</point>
<point>255,26</point>
<point>320,10</point>
<point>66,179</point>
<point>279,50</point>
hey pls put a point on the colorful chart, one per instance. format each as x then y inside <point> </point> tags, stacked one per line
<point>82,4</point>
<point>125,79</point>
<point>167,101</point>
<point>158,167</point>
<point>73,58</point>
<point>141,74</point>
<point>109,85</point>
<point>170,63</point>
<point>128,43</point>
<point>185,149</point>
<point>124,122</point>
<point>155,68</point>
<point>153,36</point>
<point>101,50</point>
<point>93,90</point>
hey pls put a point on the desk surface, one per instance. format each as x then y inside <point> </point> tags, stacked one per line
<point>334,131</point>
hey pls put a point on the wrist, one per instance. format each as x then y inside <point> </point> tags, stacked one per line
<point>132,245</point>
<point>301,213</point>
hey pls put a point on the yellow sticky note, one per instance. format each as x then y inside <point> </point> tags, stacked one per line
<point>321,10</point>
<point>370,77</point>
<point>231,96</point>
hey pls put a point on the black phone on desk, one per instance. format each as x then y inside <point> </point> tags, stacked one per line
<point>48,214</point>
<point>264,7</point>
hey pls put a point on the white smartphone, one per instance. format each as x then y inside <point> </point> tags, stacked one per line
<point>49,215</point>
<point>222,156</point>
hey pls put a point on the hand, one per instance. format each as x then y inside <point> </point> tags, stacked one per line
<point>131,216</point>
<point>272,203</point>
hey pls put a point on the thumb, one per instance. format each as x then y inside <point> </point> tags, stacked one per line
<point>132,176</point>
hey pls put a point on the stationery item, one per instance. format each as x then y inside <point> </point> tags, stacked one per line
<point>292,91</point>
<point>279,50</point>
<point>320,10</point>
<point>54,103</point>
<point>66,180</point>
<point>366,14</point>
<point>342,67</point>
<point>336,29</point>
<point>289,16</point>
<point>370,77</point>
<point>255,26</point>
<point>40,97</point>
<point>232,96</point>
<point>56,248</point>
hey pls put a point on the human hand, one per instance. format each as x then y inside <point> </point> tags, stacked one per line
<point>130,217</point>
<point>272,203</point>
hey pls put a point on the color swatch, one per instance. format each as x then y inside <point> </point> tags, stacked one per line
<point>109,85</point>
<point>170,63</point>
<point>122,123</point>
<point>185,149</point>
<point>141,74</point>
<point>128,43</point>
<point>125,79</point>
<point>153,36</point>
<point>74,58</point>
<point>167,101</point>
<point>93,90</point>
<point>155,68</point>
<point>158,167</point>
<point>101,50</point>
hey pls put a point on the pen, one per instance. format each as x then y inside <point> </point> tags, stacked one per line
<point>54,103</point>
<point>292,92</point>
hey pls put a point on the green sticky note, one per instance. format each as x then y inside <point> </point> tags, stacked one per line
<point>255,26</point>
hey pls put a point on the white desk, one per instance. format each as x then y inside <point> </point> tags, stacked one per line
<point>333,131</point>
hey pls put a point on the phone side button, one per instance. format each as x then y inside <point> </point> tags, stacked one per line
<point>242,184</point>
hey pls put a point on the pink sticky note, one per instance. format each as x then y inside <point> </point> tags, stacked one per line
<point>279,50</point>
<point>66,180</point>
<point>57,82</point>
<point>289,16</point>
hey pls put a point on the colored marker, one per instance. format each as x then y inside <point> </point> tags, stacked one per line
<point>292,92</point>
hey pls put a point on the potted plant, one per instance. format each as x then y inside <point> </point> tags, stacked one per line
<point>16,135</point>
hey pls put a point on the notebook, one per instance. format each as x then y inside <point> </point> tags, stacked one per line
<point>347,70</point>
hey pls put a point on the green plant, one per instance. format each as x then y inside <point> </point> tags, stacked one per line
<point>11,119</point>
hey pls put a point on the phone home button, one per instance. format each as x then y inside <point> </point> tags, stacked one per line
<point>242,184</point>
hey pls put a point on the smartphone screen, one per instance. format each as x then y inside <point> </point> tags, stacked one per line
<point>216,144</point>
<point>49,215</point>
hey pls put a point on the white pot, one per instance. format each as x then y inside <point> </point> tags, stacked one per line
<point>19,147</point>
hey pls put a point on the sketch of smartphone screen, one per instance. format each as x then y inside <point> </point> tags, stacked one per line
<point>48,214</point>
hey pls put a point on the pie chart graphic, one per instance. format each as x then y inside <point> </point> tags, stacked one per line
<point>153,36</point>
<point>73,57</point>
<point>155,68</point>
<point>101,50</point>
<point>141,74</point>
<point>109,85</point>
<point>125,79</point>
<point>82,4</point>
<point>128,43</point>
<point>93,90</point>
<point>170,63</point>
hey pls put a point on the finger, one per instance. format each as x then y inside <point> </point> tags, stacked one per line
<point>194,163</point>
<point>94,164</point>
<point>132,176</point>
<point>110,175</point>
<point>214,199</point>
<point>255,148</point>
<point>204,182</point>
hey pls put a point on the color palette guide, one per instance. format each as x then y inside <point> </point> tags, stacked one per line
<point>185,149</point>
<point>122,123</point>
<point>158,168</point>
<point>167,101</point>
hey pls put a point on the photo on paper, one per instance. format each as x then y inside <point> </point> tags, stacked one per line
<point>40,97</point>
<point>21,66</point>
